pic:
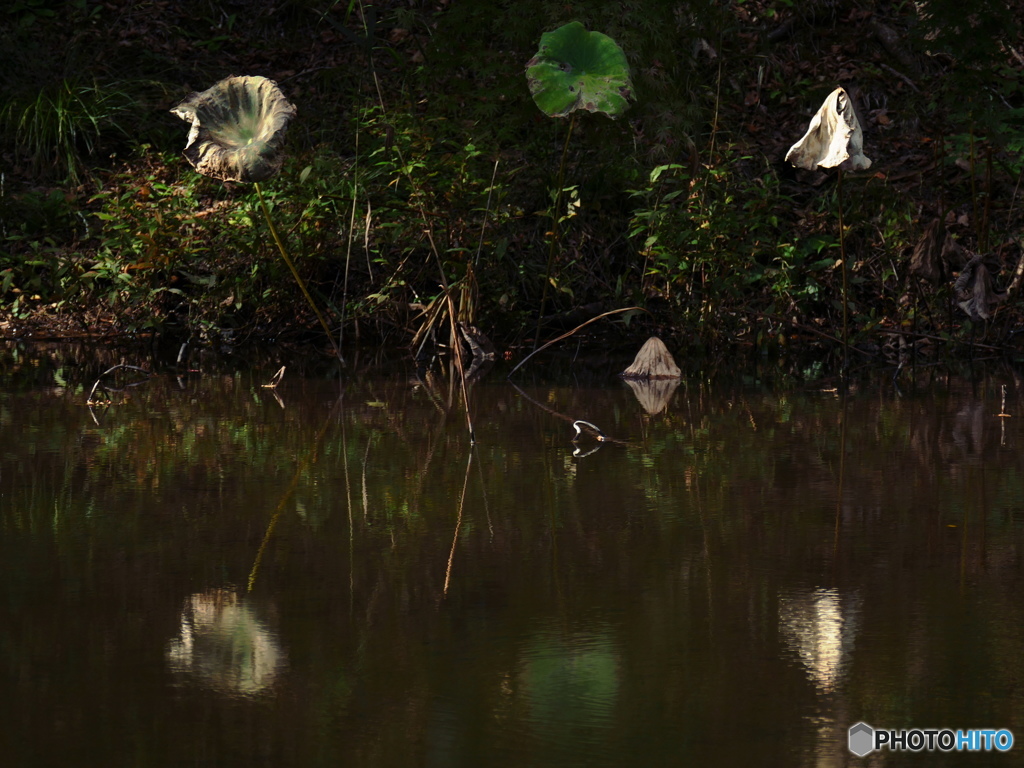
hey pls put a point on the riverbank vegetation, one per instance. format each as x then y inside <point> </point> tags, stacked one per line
<point>417,147</point>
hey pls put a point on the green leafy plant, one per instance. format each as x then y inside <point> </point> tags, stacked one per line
<point>712,245</point>
<point>577,69</point>
<point>54,128</point>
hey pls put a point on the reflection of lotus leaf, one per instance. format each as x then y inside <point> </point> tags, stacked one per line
<point>571,681</point>
<point>820,627</point>
<point>576,69</point>
<point>653,394</point>
<point>238,127</point>
<point>224,645</point>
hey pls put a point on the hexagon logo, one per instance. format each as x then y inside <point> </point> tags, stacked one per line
<point>862,739</point>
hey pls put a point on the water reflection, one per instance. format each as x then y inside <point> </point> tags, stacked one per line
<point>570,681</point>
<point>222,645</point>
<point>654,395</point>
<point>820,626</point>
<point>678,600</point>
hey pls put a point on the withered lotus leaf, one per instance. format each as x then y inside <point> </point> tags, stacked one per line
<point>238,128</point>
<point>833,139</point>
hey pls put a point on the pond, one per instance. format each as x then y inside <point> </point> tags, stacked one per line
<point>202,570</point>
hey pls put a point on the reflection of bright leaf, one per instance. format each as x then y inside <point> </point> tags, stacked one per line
<point>654,395</point>
<point>576,69</point>
<point>820,627</point>
<point>224,646</point>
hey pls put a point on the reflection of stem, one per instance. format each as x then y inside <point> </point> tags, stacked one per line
<point>288,492</point>
<point>963,534</point>
<point>458,524</point>
<point>483,493</point>
<point>457,348</point>
<point>698,495</point>
<point>842,473</point>
<point>555,232</point>
<point>295,273</point>
<point>842,255</point>
<point>351,528</point>
<point>366,493</point>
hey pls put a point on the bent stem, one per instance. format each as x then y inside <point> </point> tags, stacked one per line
<point>295,273</point>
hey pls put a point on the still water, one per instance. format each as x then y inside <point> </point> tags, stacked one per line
<point>204,571</point>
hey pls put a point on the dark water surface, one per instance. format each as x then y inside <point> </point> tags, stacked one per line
<point>207,572</point>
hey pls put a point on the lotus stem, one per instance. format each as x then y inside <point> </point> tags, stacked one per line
<point>295,273</point>
<point>554,228</point>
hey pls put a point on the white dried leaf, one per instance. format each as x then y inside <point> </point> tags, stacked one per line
<point>834,138</point>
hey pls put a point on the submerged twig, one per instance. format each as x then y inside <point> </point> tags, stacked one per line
<point>272,384</point>
<point>593,429</point>
<point>90,401</point>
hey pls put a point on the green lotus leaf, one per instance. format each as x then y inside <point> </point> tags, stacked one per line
<point>576,69</point>
<point>238,128</point>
